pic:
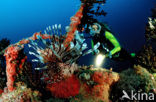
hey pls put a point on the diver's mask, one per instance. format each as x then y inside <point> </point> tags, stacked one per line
<point>95,29</point>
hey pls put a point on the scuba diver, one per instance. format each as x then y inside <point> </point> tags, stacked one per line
<point>109,45</point>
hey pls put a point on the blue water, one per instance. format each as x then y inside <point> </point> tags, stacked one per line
<point>21,18</point>
<point>127,18</point>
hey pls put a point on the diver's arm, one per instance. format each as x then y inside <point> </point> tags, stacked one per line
<point>114,41</point>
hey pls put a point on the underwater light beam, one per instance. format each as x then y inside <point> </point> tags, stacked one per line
<point>99,59</point>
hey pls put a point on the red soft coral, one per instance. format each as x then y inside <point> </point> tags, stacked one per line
<point>102,77</point>
<point>1,91</point>
<point>98,77</point>
<point>12,62</point>
<point>11,56</point>
<point>65,88</point>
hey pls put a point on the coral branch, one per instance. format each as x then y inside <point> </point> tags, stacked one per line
<point>75,21</point>
<point>13,62</point>
<point>11,55</point>
<point>34,37</point>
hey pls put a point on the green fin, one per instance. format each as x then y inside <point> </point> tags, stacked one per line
<point>133,54</point>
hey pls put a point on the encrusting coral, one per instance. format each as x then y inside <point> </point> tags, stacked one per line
<point>147,56</point>
<point>20,94</point>
<point>147,77</point>
<point>137,79</point>
<point>98,89</point>
<point>150,32</point>
<point>13,61</point>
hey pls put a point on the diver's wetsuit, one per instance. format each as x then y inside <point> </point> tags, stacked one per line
<point>110,46</point>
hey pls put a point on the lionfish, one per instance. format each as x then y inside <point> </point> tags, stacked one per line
<point>57,58</point>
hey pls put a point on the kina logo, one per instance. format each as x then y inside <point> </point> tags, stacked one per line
<point>137,96</point>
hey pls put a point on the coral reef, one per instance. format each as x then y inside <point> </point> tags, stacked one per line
<point>150,32</point>
<point>47,63</point>
<point>147,77</point>
<point>147,56</point>
<point>56,53</point>
<point>137,79</point>
<point>98,89</point>
<point>12,55</point>
<point>20,94</point>
<point>67,88</point>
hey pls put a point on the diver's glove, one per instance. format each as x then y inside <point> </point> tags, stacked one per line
<point>97,51</point>
<point>109,55</point>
